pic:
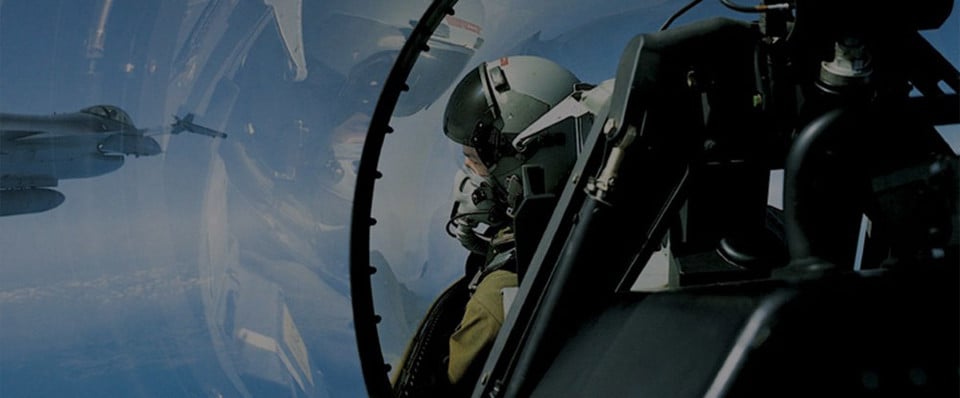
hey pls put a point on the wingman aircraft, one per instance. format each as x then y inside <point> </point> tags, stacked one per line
<point>36,151</point>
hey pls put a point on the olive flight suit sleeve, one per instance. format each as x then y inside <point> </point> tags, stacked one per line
<point>481,322</point>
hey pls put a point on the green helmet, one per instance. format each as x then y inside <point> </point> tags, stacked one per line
<point>516,114</point>
<point>499,99</point>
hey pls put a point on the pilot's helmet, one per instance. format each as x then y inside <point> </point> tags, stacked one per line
<point>314,126</point>
<point>368,36</point>
<point>501,99</point>
<point>357,41</point>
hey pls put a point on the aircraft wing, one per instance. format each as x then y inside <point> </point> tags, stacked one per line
<point>13,135</point>
<point>27,181</point>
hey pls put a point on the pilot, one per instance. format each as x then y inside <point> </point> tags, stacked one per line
<point>520,121</point>
<point>277,202</point>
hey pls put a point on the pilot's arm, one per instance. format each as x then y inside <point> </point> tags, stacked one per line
<point>479,327</point>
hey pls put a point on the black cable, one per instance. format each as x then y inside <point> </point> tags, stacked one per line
<point>679,13</point>
<point>754,9</point>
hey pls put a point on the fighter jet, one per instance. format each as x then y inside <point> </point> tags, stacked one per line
<point>187,124</point>
<point>36,151</point>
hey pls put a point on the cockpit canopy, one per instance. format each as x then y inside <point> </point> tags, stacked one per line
<point>110,112</point>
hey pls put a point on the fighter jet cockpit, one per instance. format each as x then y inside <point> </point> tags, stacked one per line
<point>110,112</point>
<point>497,198</point>
<point>667,198</point>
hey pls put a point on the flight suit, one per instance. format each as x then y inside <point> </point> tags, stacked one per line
<point>481,321</point>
